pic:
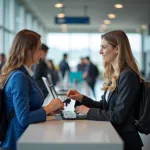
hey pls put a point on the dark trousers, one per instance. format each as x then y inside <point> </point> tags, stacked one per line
<point>92,86</point>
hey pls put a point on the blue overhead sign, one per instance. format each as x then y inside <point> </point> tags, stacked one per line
<point>72,20</point>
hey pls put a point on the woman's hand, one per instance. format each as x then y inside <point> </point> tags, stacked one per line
<point>74,94</point>
<point>54,105</point>
<point>82,109</point>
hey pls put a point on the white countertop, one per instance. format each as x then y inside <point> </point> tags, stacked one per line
<point>70,134</point>
<point>55,133</point>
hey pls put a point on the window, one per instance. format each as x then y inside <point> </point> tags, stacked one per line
<point>84,44</point>
<point>28,21</point>
<point>35,26</point>
<point>1,40</point>
<point>1,11</point>
<point>135,42</point>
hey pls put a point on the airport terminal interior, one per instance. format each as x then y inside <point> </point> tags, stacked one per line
<point>72,29</point>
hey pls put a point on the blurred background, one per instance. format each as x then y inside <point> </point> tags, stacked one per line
<point>75,27</point>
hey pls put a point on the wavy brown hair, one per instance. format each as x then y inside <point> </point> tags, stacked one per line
<point>125,58</point>
<point>24,41</point>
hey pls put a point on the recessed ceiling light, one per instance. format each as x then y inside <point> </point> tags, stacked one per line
<point>101,30</point>
<point>118,6</point>
<point>63,25</point>
<point>144,27</point>
<point>111,16</point>
<point>61,15</point>
<point>59,5</point>
<point>103,26</point>
<point>64,29</point>
<point>107,21</point>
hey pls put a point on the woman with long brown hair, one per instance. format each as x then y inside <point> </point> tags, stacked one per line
<point>121,90</point>
<point>22,95</point>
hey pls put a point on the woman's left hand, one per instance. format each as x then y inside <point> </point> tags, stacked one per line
<point>82,109</point>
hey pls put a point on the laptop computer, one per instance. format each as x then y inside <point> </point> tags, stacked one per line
<point>65,114</point>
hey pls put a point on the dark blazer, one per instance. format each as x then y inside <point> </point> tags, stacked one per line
<point>64,66</point>
<point>90,69</point>
<point>41,70</point>
<point>119,108</point>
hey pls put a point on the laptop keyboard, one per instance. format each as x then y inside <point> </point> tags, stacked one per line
<point>69,114</point>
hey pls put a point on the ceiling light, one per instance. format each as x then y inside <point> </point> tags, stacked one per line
<point>111,16</point>
<point>144,27</point>
<point>118,6</point>
<point>101,30</point>
<point>59,5</point>
<point>64,29</point>
<point>63,25</point>
<point>61,15</point>
<point>103,26</point>
<point>107,21</point>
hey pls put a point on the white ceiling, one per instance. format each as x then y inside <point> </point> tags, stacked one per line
<point>131,17</point>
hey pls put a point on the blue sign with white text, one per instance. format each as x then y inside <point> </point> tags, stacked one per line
<point>72,20</point>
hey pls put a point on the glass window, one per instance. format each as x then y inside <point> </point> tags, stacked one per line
<point>84,44</point>
<point>79,47</point>
<point>35,25</point>
<point>28,21</point>
<point>1,41</point>
<point>12,15</point>
<point>9,14</point>
<point>43,34</point>
<point>58,43</point>
<point>135,42</point>
<point>6,42</point>
<point>20,17</point>
<point>1,11</point>
<point>11,37</point>
<point>6,14</point>
<point>95,42</point>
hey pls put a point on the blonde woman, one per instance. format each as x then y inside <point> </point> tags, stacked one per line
<point>21,92</point>
<point>121,90</point>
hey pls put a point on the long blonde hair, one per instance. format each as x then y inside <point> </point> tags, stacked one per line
<point>125,58</point>
<point>24,41</point>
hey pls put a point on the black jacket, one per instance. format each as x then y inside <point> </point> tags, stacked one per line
<point>120,108</point>
<point>64,66</point>
<point>41,70</point>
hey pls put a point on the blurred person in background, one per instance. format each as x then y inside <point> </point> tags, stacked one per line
<point>81,65</point>
<point>2,60</point>
<point>64,66</point>
<point>90,74</point>
<point>41,70</point>
<point>53,72</point>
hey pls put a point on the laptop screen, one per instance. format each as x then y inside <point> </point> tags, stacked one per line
<point>50,88</point>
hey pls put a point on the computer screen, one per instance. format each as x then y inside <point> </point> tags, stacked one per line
<point>50,88</point>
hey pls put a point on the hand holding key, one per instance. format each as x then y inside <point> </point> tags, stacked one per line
<point>67,101</point>
<point>74,94</point>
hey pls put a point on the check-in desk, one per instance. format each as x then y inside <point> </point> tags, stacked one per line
<point>70,135</point>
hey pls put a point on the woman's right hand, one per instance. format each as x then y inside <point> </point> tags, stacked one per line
<point>54,105</point>
<point>74,94</point>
